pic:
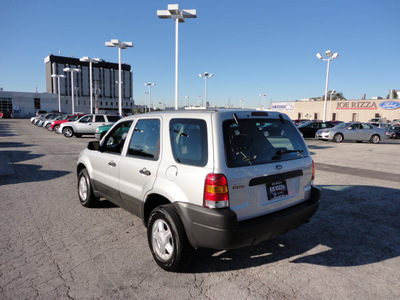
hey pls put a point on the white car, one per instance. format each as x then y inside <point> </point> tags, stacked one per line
<point>220,179</point>
<point>87,124</point>
<point>353,131</point>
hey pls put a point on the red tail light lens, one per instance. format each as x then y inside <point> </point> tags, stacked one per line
<point>216,191</point>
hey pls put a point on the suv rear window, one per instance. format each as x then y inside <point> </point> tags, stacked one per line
<point>259,141</point>
<point>189,141</point>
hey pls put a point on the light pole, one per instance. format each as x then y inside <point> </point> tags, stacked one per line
<point>72,71</point>
<point>150,85</point>
<point>263,100</point>
<point>59,92</point>
<point>173,12</point>
<point>329,56</point>
<point>120,45</point>
<point>241,102</point>
<point>90,61</point>
<point>187,101</point>
<point>205,76</point>
<point>330,101</point>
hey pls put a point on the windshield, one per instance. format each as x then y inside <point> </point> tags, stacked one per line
<point>342,125</point>
<point>259,141</point>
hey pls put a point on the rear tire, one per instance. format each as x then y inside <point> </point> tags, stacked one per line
<point>85,191</point>
<point>375,139</point>
<point>167,239</point>
<point>338,138</point>
<point>68,132</point>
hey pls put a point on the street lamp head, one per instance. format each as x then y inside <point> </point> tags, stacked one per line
<point>119,44</point>
<point>211,75</point>
<point>328,53</point>
<point>200,75</point>
<point>319,55</point>
<point>335,55</point>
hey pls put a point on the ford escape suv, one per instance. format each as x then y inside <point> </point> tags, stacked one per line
<point>220,179</point>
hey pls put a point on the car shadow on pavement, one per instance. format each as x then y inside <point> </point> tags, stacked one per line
<point>5,130</point>
<point>355,225</point>
<point>13,172</point>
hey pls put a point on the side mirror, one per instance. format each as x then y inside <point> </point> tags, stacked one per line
<point>94,145</point>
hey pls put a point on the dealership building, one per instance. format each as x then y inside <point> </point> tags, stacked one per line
<point>105,89</point>
<point>343,110</point>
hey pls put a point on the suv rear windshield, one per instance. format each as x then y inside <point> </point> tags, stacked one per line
<point>259,141</point>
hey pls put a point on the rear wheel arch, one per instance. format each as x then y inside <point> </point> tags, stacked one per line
<point>152,201</point>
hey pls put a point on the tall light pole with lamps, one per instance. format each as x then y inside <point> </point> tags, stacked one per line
<point>263,100</point>
<point>59,92</point>
<point>205,76</point>
<point>72,71</point>
<point>329,56</point>
<point>150,85</point>
<point>173,12</point>
<point>90,61</point>
<point>120,45</point>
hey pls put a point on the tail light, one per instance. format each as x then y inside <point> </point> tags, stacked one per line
<point>216,191</point>
<point>313,170</point>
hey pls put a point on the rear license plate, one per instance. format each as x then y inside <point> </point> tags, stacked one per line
<point>276,190</point>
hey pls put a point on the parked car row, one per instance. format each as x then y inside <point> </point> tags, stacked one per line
<point>74,125</point>
<point>338,131</point>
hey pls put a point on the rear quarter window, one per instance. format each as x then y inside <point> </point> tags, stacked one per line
<point>188,138</point>
<point>259,141</point>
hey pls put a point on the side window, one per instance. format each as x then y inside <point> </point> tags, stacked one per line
<point>188,139</point>
<point>100,119</point>
<point>145,140</point>
<point>115,140</point>
<point>86,119</point>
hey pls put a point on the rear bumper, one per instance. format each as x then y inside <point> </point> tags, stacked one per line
<point>219,228</point>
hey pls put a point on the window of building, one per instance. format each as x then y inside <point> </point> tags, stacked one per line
<point>354,117</point>
<point>37,103</point>
<point>315,116</point>
<point>6,104</point>
<point>299,115</point>
<point>334,117</point>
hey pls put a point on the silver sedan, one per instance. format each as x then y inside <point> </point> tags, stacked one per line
<point>354,131</point>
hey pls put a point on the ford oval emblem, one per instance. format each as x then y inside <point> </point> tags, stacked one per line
<point>278,167</point>
<point>390,105</point>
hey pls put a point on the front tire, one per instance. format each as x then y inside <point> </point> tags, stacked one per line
<point>57,129</point>
<point>375,139</point>
<point>68,132</point>
<point>85,191</point>
<point>338,138</point>
<point>167,239</point>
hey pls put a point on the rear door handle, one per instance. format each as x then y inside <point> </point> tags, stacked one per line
<point>144,171</point>
<point>112,164</point>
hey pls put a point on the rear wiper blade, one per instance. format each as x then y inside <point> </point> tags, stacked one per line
<point>280,152</point>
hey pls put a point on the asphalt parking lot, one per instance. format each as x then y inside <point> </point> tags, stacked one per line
<point>53,248</point>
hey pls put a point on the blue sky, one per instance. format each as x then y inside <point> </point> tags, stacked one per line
<point>251,47</point>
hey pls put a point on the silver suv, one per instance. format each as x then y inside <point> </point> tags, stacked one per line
<point>87,124</point>
<point>220,179</point>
